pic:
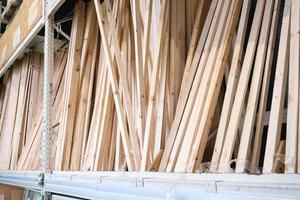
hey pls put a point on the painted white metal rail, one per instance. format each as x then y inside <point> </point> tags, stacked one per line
<point>28,179</point>
<point>114,185</point>
<point>158,186</point>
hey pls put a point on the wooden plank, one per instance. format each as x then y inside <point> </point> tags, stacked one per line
<point>20,112</point>
<point>9,122</point>
<point>112,76</point>
<point>98,115</point>
<point>214,87</point>
<point>89,111</point>
<point>293,90</point>
<point>195,117</point>
<point>164,12</point>
<point>158,143</point>
<point>27,149</point>
<point>275,125</point>
<point>177,51</point>
<point>249,120</point>
<point>71,90</point>
<point>232,82</point>
<point>139,62</point>
<point>188,77</point>
<point>124,87</point>
<point>84,83</point>
<point>261,116</point>
<point>241,89</point>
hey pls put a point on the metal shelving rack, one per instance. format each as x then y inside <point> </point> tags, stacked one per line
<point>136,185</point>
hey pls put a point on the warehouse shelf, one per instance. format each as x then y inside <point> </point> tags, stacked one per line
<point>134,185</point>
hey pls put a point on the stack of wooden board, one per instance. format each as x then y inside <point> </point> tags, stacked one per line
<point>175,86</point>
<point>21,107</point>
<point>21,101</point>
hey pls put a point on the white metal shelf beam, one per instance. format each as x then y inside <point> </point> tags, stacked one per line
<point>136,185</point>
<point>28,179</point>
<point>155,186</point>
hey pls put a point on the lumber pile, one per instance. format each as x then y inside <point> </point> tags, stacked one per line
<point>21,107</point>
<point>168,86</point>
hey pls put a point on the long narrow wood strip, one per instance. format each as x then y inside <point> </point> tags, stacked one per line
<point>164,12</point>
<point>112,76</point>
<point>139,65</point>
<point>83,90</point>
<point>87,120</point>
<point>71,90</point>
<point>124,88</point>
<point>189,150</point>
<point>231,85</point>
<point>33,94</point>
<point>187,81</point>
<point>265,87</point>
<point>247,132</point>
<point>293,91</point>
<point>103,121</point>
<point>241,89</point>
<point>215,86</point>
<point>98,115</point>
<point>58,79</point>
<point>275,125</point>
<point>197,31</point>
<point>177,51</point>
<point>112,150</point>
<point>9,122</point>
<point>100,162</point>
<point>146,36</point>
<point>161,98</point>
<point>7,83</point>
<point>195,94</point>
<point>20,112</point>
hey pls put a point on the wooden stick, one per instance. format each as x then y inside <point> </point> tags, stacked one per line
<point>214,87</point>
<point>187,82</point>
<point>293,91</point>
<point>139,63</point>
<point>241,89</point>
<point>128,147</point>
<point>265,87</point>
<point>231,85</point>
<point>278,93</point>
<point>71,90</point>
<point>246,137</point>
<point>9,122</point>
<point>154,85</point>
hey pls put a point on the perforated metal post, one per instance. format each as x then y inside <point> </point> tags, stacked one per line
<point>47,98</point>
